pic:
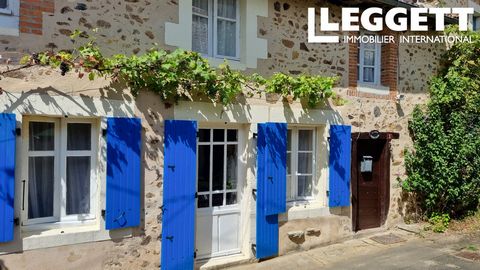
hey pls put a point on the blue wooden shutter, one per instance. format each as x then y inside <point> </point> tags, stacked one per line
<point>339,165</point>
<point>179,186</point>
<point>7,175</point>
<point>123,173</point>
<point>271,185</point>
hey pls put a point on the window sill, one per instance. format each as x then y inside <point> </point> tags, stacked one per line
<point>70,235</point>
<point>6,12</point>
<point>57,225</point>
<point>375,89</point>
<point>234,64</point>
<point>304,209</point>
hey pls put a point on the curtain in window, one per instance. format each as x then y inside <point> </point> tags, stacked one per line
<point>78,185</point>
<point>227,28</point>
<point>200,11</point>
<point>40,187</point>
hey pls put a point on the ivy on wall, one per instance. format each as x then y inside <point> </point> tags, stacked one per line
<point>180,75</point>
<point>443,167</point>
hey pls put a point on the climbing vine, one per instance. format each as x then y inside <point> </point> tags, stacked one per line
<point>443,166</point>
<point>180,75</point>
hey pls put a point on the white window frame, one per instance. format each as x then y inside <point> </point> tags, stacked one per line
<point>8,10</point>
<point>212,30</point>
<point>61,153</point>
<point>376,67</point>
<point>476,22</point>
<point>293,176</point>
<point>211,192</point>
<point>9,18</point>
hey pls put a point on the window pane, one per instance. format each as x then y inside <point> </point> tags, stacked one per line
<point>289,187</point>
<point>218,135</point>
<point>232,167</point>
<point>3,3</point>
<point>232,135</point>
<point>41,136</point>
<point>217,199</point>
<point>369,58</point>
<point>289,140</point>
<point>304,186</point>
<point>369,46</point>
<point>79,136</point>
<point>204,135</point>
<point>200,34</point>
<point>305,140</point>
<point>203,168</point>
<point>231,198</point>
<point>203,201</point>
<point>289,163</point>
<point>200,7</point>
<point>40,186</point>
<point>368,75</point>
<point>78,185</point>
<point>305,163</point>
<point>226,38</point>
<point>217,167</point>
<point>227,9</point>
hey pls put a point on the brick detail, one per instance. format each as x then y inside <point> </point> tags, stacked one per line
<point>388,72</point>
<point>31,15</point>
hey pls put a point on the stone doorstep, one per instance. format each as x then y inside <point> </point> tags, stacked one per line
<point>223,262</point>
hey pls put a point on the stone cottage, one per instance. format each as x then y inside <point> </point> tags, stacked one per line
<point>94,178</point>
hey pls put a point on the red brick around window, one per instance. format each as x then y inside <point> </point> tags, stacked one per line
<point>388,72</point>
<point>31,15</point>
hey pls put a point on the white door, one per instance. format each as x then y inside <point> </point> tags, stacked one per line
<point>218,212</point>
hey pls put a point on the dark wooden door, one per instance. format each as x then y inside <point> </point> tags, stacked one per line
<point>370,189</point>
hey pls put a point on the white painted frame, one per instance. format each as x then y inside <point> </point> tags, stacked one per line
<point>376,67</point>
<point>8,9</point>
<point>9,18</point>
<point>60,153</point>
<point>293,196</point>
<point>213,18</point>
<point>225,209</point>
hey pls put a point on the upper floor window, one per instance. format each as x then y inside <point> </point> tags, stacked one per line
<point>300,163</point>
<point>215,28</point>
<point>3,4</point>
<point>476,23</point>
<point>60,170</point>
<point>369,63</point>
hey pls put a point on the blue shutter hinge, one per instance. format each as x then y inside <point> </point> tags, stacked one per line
<point>195,254</point>
<point>254,249</point>
<point>254,193</point>
<point>104,132</point>
<point>255,135</point>
<point>103,213</point>
<point>18,132</point>
<point>328,193</point>
<point>196,195</point>
<point>198,134</point>
<point>16,221</point>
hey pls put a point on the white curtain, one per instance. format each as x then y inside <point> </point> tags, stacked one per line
<point>78,185</point>
<point>40,187</point>
<point>227,29</point>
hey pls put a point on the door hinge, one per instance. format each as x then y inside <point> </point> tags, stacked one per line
<point>194,254</point>
<point>18,132</point>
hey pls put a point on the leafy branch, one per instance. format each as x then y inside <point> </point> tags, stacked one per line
<point>179,75</point>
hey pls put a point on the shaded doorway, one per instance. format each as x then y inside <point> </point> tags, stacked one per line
<point>370,178</point>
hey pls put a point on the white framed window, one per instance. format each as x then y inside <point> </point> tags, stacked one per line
<point>369,64</point>
<point>300,163</point>
<point>217,175</point>
<point>60,170</point>
<point>216,28</point>
<point>9,17</point>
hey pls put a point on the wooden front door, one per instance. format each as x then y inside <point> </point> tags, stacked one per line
<point>370,188</point>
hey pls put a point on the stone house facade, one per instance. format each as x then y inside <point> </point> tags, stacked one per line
<point>64,184</point>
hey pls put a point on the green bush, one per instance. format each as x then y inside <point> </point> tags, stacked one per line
<point>439,222</point>
<point>443,168</point>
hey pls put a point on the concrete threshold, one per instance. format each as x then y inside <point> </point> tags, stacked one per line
<point>223,262</point>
